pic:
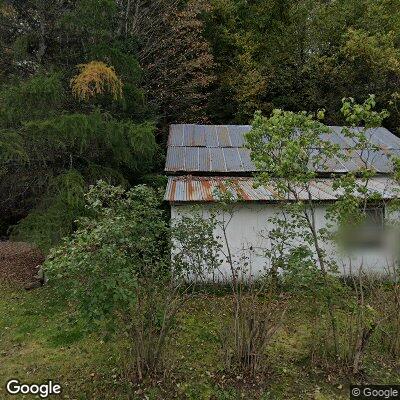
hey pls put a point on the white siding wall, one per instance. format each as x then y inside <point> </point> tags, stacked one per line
<point>247,236</point>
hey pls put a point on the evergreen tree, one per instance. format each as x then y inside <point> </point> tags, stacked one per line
<point>55,141</point>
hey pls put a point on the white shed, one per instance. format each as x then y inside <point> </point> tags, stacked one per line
<point>201,158</point>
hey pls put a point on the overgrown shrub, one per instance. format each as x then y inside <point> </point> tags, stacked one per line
<point>116,269</point>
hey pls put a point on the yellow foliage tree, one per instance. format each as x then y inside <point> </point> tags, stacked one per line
<point>96,78</point>
<point>6,10</point>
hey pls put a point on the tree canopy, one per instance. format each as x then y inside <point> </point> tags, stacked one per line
<point>304,55</point>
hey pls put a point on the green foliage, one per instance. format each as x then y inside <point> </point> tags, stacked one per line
<point>95,137</point>
<point>55,346</point>
<point>194,61</point>
<point>378,52</point>
<point>116,269</point>
<point>181,59</point>
<point>362,115</point>
<point>55,215</point>
<point>94,19</point>
<point>11,146</point>
<point>38,97</point>
<point>41,142</point>
<point>302,54</point>
<point>120,56</point>
<point>290,153</point>
<point>349,210</point>
<point>120,243</point>
<point>289,150</point>
<point>195,244</point>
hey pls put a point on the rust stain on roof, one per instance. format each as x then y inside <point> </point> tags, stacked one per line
<point>274,193</point>
<point>202,189</point>
<point>221,187</point>
<point>172,190</point>
<point>189,189</point>
<point>240,192</point>
<point>207,191</point>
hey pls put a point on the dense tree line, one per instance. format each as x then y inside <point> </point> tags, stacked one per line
<point>150,63</point>
<point>303,55</point>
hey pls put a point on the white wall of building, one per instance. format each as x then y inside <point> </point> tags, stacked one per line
<point>248,238</point>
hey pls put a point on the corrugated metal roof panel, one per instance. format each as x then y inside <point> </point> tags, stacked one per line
<point>384,138</point>
<point>199,135</point>
<point>350,163</point>
<point>336,136</point>
<point>189,136</point>
<point>204,159</point>
<point>180,191</point>
<point>203,189</point>
<point>246,160</point>
<point>192,159</point>
<point>232,159</point>
<point>217,160</point>
<point>207,135</point>
<point>234,136</point>
<point>237,133</point>
<point>176,135</point>
<point>378,160</point>
<point>220,148</point>
<point>327,165</point>
<point>223,136</point>
<point>211,138</point>
<point>175,159</point>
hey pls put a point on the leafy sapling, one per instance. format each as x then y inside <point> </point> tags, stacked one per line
<point>289,151</point>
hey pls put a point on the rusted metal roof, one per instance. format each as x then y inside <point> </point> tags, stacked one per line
<point>205,189</point>
<point>220,149</point>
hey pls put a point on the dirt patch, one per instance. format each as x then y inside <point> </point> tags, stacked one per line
<point>19,262</point>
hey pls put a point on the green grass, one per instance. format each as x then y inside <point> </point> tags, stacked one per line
<point>40,339</point>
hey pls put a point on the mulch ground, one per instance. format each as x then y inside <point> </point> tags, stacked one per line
<point>19,262</point>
